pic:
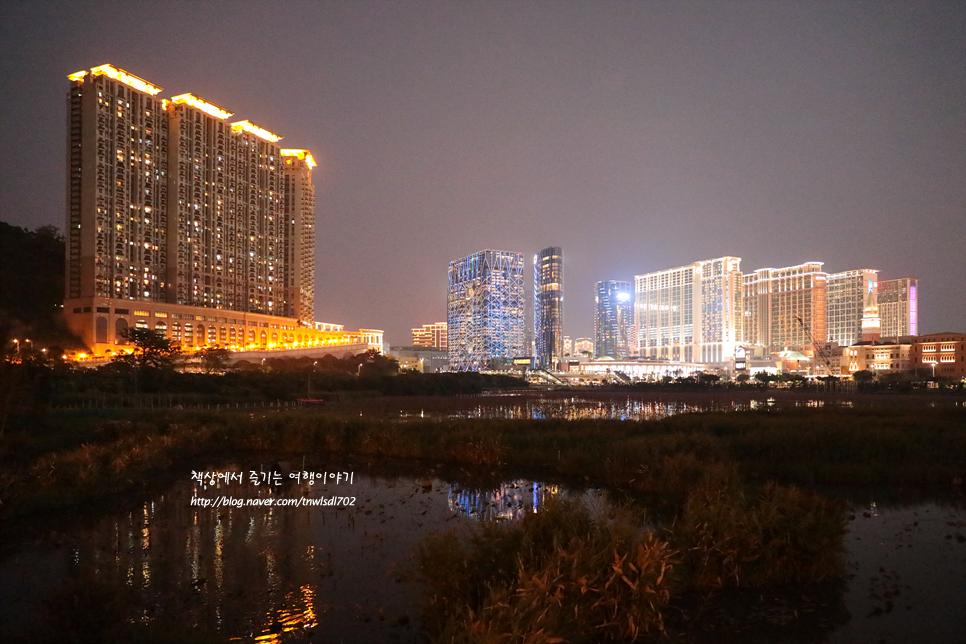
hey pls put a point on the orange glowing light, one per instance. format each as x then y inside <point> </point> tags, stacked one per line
<point>251,128</point>
<point>76,76</point>
<point>204,106</point>
<point>130,80</point>
<point>305,155</point>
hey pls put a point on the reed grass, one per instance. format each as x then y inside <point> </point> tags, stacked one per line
<point>662,459</point>
<point>564,575</point>
<point>560,575</point>
<point>785,535</point>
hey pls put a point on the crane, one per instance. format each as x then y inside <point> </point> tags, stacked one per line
<point>819,350</point>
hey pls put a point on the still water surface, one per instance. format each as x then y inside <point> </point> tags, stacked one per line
<point>335,574</point>
<point>543,405</point>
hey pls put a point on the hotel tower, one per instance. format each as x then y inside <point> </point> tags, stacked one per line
<point>614,305</point>
<point>784,308</point>
<point>485,307</point>
<point>690,313</point>
<point>184,221</point>
<point>548,302</point>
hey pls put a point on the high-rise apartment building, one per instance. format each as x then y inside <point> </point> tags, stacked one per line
<point>225,228</point>
<point>485,309</point>
<point>181,221</point>
<point>613,320</point>
<point>846,295</point>
<point>431,335</point>
<point>690,313</point>
<point>117,198</point>
<point>298,212</point>
<point>899,307</point>
<point>775,299</point>
<point>548,303</point>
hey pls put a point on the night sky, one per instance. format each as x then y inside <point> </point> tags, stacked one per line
<point>638,136</point>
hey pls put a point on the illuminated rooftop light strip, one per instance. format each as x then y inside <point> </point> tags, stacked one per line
<point>130,80</point>
<point>204,106</point>
<point>250,127</point>
<point>76,76</point>
<point>302,154</point>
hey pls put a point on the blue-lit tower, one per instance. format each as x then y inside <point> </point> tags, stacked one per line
<point>548,308</point>
<point>485,309</point>
<point>612,324</point>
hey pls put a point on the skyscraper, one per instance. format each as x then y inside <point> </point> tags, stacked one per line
<point>691,313</point>
<point>773,301</point>
<point>298,211</point>
<point>485,309</point>
<point>548,303</point>
<point>615,313</point>
<point>117,198</point>
<point>225,230</point>
<point>183,222</point>
<point>846,295</point>
<point>899,307</point>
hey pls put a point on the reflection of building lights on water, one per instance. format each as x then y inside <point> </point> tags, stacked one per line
<point>510,501</point>
<point>297,612</point>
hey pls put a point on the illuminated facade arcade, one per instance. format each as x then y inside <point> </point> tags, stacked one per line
<point>486,309</point>
<point>181,221</point>
<point>548,303</point>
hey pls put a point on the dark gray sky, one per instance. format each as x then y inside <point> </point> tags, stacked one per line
<point>638,136</point>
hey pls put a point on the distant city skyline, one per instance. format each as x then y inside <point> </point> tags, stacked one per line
<point>643,135</point>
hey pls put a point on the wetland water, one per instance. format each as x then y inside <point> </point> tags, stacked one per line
<point>633,406</point>
<point>336,573</point>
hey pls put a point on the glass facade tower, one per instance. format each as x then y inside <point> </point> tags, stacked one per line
<point>612,323</point>
<point>485,307</point>
<point>548,302</point>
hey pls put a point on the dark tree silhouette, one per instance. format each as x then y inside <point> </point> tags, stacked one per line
<point>151,349</point>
